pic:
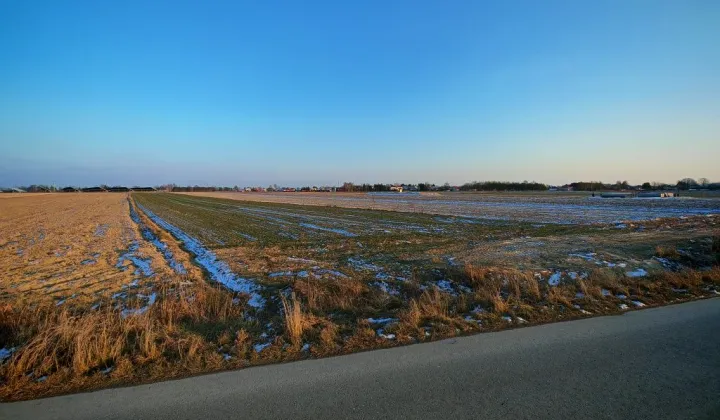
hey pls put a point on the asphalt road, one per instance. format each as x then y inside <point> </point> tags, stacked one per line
<point>661,363</point>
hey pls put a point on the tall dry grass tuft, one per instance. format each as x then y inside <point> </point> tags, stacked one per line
<point>294,319</point>
<point>666,251</point>
<point>343,294</point>
<point>500,306</point>
<point>716,249</point>
<point>532,286</point>
<point>558,296</point>
<point>434,303</point>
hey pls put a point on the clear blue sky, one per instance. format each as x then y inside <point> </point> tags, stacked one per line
<point>323,92</point>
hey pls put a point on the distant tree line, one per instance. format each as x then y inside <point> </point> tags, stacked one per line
<point>682,184</point>
<point>503,186</point>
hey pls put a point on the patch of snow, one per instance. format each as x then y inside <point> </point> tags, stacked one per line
<point>579,295</point>
<point>554,279</point>
<point>623,306</point>
<point>381,320</point>
<point>381,334</point>
<point>161,246</point>
<point>334,273</point>
<point>260,347</point>
<point>306,347</point>
<point>137,311</point>
<point>573,275</point>
<point>638,304</point>
<point>281,274</point>
<point>246,236</point>
<point>219,270</point>
<point>640,272</point>
<point>302,260</point>
<point>360,264</point>
<point>5,353</point>
<point>605,292</point>
<point>107,370</point>
<point>142,265</point>
<point>334,230</point>
<point>445,286</point>
<point>60,302</point>
<point>621,296</point>
<point>385,287</point>
<point>507,318</point>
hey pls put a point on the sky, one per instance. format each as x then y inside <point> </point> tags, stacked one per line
<point>322,92</point>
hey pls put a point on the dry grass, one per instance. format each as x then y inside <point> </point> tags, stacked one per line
<point>666,251</point>
<point>55,246</point>
<point>499,305</point>
<point>341,294</point>
<point>295,320</point>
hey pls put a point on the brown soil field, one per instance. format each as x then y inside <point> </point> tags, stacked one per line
<point>68,248</point>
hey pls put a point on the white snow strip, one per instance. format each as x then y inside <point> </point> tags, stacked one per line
<point>381,334</point>
<point>260,347</point>
<point>640,272</point>
<point>638,304</point>
<point>219,270</point>
<point>281,274</point>
<point>302,260</point>
<point>338,231</point>
<point>246,236</point>
<point>381,320</point>
<point>623,306</point>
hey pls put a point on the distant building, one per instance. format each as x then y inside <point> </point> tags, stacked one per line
<point>118,189</point>
<point>93,189</point>
<point>143,189</point>
<point>656,194</point>
<point>70,189</point>
<point>396,188</point>
<point>13,190</point>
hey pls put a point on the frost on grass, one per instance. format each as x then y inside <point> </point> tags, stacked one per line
<point>385,287</point>
<point>219,270</point>
<point>381,320</point>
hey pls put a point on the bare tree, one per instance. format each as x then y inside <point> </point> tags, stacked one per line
<point>703,182</point>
